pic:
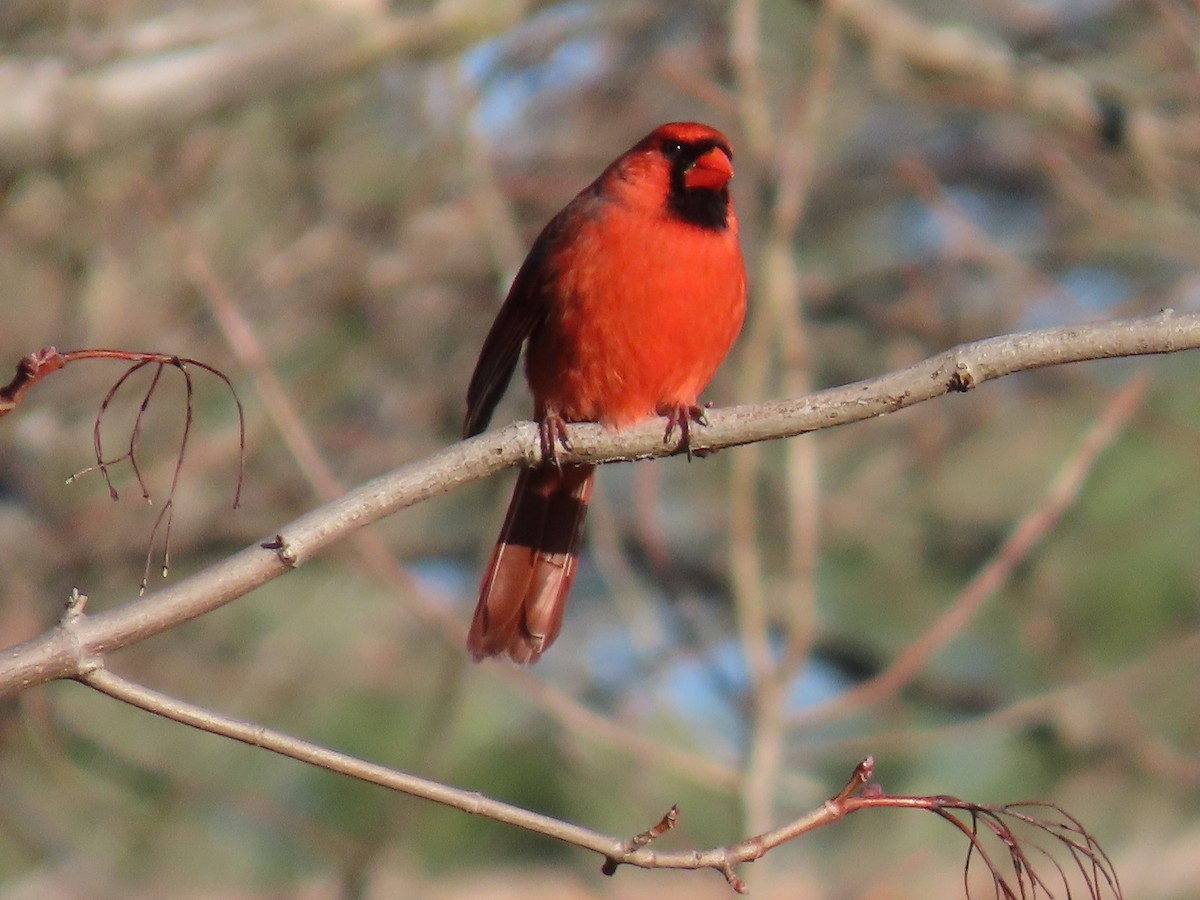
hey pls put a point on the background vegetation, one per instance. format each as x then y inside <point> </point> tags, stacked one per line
<point>355,183</point>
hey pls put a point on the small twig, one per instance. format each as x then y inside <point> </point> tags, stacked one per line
<point>617,852</point>
<point>167,513</point>
<point>1090,861</point>
<point>103,464</point>
<point>36,366</point>
<point>139,360</point>
<point>665,824</point>
<point>30,370</point>
<point>76,607</point>
<point>862,774</point>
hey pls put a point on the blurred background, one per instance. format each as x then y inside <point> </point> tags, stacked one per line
<point>326,200</point>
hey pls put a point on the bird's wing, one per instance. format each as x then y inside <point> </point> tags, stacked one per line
<point>522,312</point>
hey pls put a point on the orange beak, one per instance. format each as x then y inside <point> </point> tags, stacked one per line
<point>712,171</point>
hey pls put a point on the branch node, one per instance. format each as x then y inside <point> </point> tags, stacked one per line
<point>665,824</point>
<point>32,367</point>
<point>961,379</point>
<point>284,550</point>
<point>75,609</point>
<point>638,841</point>
<point>736,883</point>
<point>85,663</point>
<point>862,774</point>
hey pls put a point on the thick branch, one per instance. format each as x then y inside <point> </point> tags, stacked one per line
<point>57,654</point>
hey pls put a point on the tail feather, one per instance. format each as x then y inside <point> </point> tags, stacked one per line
<point>524,589</point>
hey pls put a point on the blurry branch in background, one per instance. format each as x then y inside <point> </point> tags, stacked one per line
<point>994,574</point>
<point>1149,753</point>
<point>241,339</point>
<point>181,67</point>
<point>166,72</point>
<point>773,358</point>
<point>53,655</point>
<point>956,63</point>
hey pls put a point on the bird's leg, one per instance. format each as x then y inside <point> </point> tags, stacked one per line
<point>552,431</point>
<point>681,416</point>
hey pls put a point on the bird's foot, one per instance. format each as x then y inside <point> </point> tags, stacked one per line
<point>552,432</point>
<point>681,416</point>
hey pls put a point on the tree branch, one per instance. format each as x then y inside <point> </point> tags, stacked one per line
<point>1094,867</point>
<point>56,654</point>
<point>616,851</point>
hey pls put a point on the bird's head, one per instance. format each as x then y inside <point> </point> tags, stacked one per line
<point>686,166</point>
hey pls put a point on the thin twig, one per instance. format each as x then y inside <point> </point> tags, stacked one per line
<point>616,851</point>
<point>138,359</point>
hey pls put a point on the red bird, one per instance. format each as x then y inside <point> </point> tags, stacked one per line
<point>628,301</point>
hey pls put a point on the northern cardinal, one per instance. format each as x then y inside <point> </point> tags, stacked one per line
<point>629,299</point>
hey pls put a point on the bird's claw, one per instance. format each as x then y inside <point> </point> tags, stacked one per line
<point>552,432</point>
<point>681,416</point>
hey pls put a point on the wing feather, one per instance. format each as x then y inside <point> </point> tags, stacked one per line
<point>520,315</point>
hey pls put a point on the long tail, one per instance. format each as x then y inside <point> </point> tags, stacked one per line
<point>525,587</point>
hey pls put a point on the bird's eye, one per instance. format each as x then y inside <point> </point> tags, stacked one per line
<point>671,149</point>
